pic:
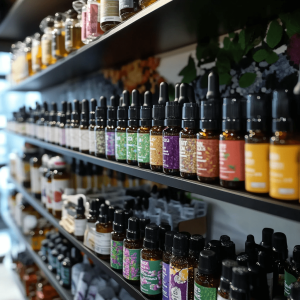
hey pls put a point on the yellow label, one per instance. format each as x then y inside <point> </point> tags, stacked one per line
<point>257,168</point>
<point>284,172</point>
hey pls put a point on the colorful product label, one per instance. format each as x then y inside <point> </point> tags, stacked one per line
<point>151,277</point>
<point>83,27</point>
<point>204,293</point>
<point>178,285</point>
<point>100,142</point>
<point>208,158</point>
<point>188,151</point>
<point>110,143</point>
<point>232,160</point>
<point>143,147</point>
<point>257,168</point>
<point>49,195</point>
<point>165,281</point>
<point>121,145</point>
<point>156,150</point>
<point>92,20</point>
<point>288,280</point>
<point>110,11</point>
<point>58,188</point>
<point>131,146</point>
<point>171,152</point>
<point>284,172</point>
<point>116,255</point>
<point>131,263</point>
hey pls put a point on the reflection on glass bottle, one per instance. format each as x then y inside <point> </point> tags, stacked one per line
<point>58,37</point>
<point>73,31</point>
<point>128,8</point>
<point>46,40</point>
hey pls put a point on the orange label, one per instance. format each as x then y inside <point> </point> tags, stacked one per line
<point>257,168</point>
<point>284,168</point>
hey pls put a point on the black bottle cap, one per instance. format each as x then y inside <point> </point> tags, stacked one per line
<point>186,233</point>
<point>296,256</point>
<point>226,277</point>
<point>103,209</point>
<point>112,109</point>
<point>57,241</point>
<point>45,243</point>
<point>93,111</point>
<point>80,209</point>
<point>163,93</point>
<point>126,98</point>
<point>93,208</point>
<point>295,291</point>
<point>143,223</point>
<point>280,249</point>
<point>215,246</point>
<point>101,112</point>
<point>127,214</point>
<point>62,119</point>
<point>183,98</point>
<point>54,236</point>
<point>111,213</point>
<point>266,242</point>
<point>207,262</point>
<point>213,91</point>
<point>197,243</point>
<point>84,112</point>
<point>59,17</point>
<point>191,94</point>
<point>134,109</point>
<point>51,245</point>
<point>242,259</point>
<point>228,250</point>
<point>146,110</point>
<point>71,13</point>
<point>163,228</point>
<point>53,112</point>
<point>239,289</point>
<point>232,113</point>
<point>158,111</point>
<point>122,113</point>
<point>173,114</point>
<point>151,239</point>
<point>189,115</point>
<point>224,238</point>
<point>63,107</point>
<point>169,236</point>
<point>69,111</point>
<point>76,255</point>
<point>180,245</point>
<point>250,248</point>
<point>258,283</point>
<point>133,230</point>
<point>282,111</point>
<point>119,221</point>
<point>64,250</point>
<point>75,112</point>
<point>177,92</point>
<point>103,219</point>
<point>264,260</point>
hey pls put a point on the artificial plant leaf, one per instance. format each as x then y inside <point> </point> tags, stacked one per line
<point>226,42</point>
<point>274,34</point>
<point>260,55</point>
<point>231,35</point>
<point>247,79</point>
<point>189,72</point>
<point>271,58</point>
<point>224,78</point>
<point>242,39</point>
<point>223,62</point>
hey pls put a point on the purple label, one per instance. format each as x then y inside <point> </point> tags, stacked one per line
<point>178,288</point>
<point>165,281</point>
<point>110,143</point>
<point>171,152</point>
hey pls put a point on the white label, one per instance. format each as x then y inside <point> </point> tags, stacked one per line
<point>75,137</point>
<point>35,180</point>
<point>34,127</point>
<point>92,141</point>
<point>84,139</point>
<point>102,243</point>
<point>56,133</point>
<point>220,298</point>
<point>49,195</point>
<point>67,135</point>
<point>89,236</point>
<point>52,134</point>
<point>62,136</point>
<point>40,132</point>
<point>44,190</point>
<point>59,187</point>
<point>46,133</point>
<point>110,11</point>
<point>79,227</point>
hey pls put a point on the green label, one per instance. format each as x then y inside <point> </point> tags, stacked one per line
<point>121,145</point>
<point>204,293</point>
<point>116,255</point>
<point>131,146</point>
<point>151,279</point>
<point>143,147</point>
<point>131,263</point>
<point>288,280</point>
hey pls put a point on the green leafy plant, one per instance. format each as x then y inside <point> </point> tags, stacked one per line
<point>189,72</point>
<point>247,79</point>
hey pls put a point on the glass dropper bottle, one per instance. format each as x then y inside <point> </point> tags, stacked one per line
<point>101,114</point>
<point>92,141</point>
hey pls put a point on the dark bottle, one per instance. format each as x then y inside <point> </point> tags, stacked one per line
<point>266,242</point>
<point>143,224</point>
<point>151,264</point>
<point>74,131</point>
<point>68,125</point>
<point>117,237</point>
<point>79,220</point>
<point>66,271</point>
<point>41,122</point>
<point>239,288</point>
<point>167,253</point>
<point>226,278</point>
<point>250,254</point>
<point>92,140</point>
<point>197,243</point>
<point>156,139</point>
<point>57,136</point>
<point>132,252</point>
<point>110,128</point>
<point>224,238</point>
<point>280,254</point>
<point>143,133</point>
<point>295,291</point>
<point>257,143</point>
<point>228,250</point>
<point>61,256</point>
<point>171,138</point>
<point>242,260</point>
<point>131,131</point>
<point>111,214</point>
<point>84,127</point>
<point>163,228</point>
<point>62,131</point>
<point>89,238</point>
<point>128,8</point>
<point>207,279</point>
<point>101,115</point>
<point>259,289</point>
<point>208,136</point>
<point>188,142</point>
<point>76,256</point>
<point>52,123</point>
<point>264,261</point>
<point>122,116</point>
<point>215,245</point>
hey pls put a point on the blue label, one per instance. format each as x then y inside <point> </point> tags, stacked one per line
<point>65,276</point>
<point>165,281</point>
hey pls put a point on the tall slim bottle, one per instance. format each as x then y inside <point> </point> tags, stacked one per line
<point>74,131</point>
<point>84,128</point>
<point>52,123</point>
<point>92,141</point>
<point>58,37</point>
<point>93,29</point>
<point>101,114</point>
<point>68,125</point>
<point>57,125</point>
<point>46,40</point>
<point>36,53</point>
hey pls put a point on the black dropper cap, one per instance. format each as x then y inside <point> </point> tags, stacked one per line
<point>158,110</point>
<point>183,94</point>
<point>250,248</point>
<point>228,250</point>
<point>127,214</point>
<point>224,238</point>
<point>111,213</point>
<point>264,260</point>
<point>146,110</point>
<point>93,111</point>
<point>177,92</point>
<point>64,107</point>
<point>226,276</point>
<point>53,112</point>
<point>151,239</point>
<point>239,288</point>
<point>75,112</point>
<point>133,230</point>
<point>126,98</point>
<point>80,209</point>
<point>232,113</point>
<point>207,262</point>
<point>197,243</point>
<point>76,256</point>
<point>296,256</point>
<point>280,248</point>
<point>103,209</point>
<point>122,113</point>
<point>45,112</point>
<point>101,112</point>
<point>169,236</point>
<point>112,111</point>
<point>59,17</point>
<point>186,233</point>
<point>266,242</point>
<point>282,111</point>
<point>180,245</point>
<point>134,109</point>
<point>242,259</point>
<point>84,112</point>
<point>69,111</point>
<point>295,291</point>
<point>119,221</point>
<point>215,246</point>
<point>163,228</point>
<point>173,114</point>
<point>93,208</point>
<point>143,224</point>
<point>189,115</point>
<point>258,283</point>
<point>62,119</point>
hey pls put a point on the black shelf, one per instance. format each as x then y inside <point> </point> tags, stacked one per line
<point>163,26</point>
<point>64,293</point>
<point>285,209</point>
<point>103,265</point>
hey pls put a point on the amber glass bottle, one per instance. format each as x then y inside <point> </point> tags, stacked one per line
<point>226,278</point>
<point>58,37</point>
<point>84,128</point>
<point>151,264</point>
<point>73,32</point>
<point>28,56</point>
<point>109,14</point>
<point>68,125</point>
<point>128,8</point>
<point>101,114</point>
<point>79,221</point>
<point>74,130</point>
<point>52,123</point>
<point>35,180</point>
<point>47,25</point>
<point>92,141</point>
<point>145,3</point>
